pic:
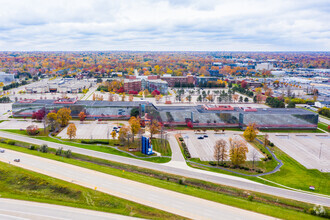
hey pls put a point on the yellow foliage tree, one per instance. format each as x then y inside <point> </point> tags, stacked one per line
<point>250,132</point>
<point>64,116</point>
<point>237,151</point>
<point>154,127</point>
<point>113,134</point>
<point>134,125</point>
<point>71,132</point>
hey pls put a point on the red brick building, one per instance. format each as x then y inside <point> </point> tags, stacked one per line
<point>171,80</point>
<point>132,85</point>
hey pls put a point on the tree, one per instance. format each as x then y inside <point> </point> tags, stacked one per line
<point>254,156</point>
<point>113,134</point>
<point>82,116</point>
<point>190,124</point>
<point>154,127</point>
<point>250,132</point>
<point>291,105</point>
<point>71,132</point>
<point>135,112</point>
<point>235,97</point>
<point>130,98</point>
<point>64,116</point>
<point>220,151</point>
<point>237,151</point>
<point>51,120</point>
<point>246,99</point>
<point>134,125</point>
<point>241,99</point>
<point>123,134</point>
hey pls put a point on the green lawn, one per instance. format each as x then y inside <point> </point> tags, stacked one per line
<point>293,131</point>
<point>265,204</point>
<point>295,175</point>
<point>18,183</point>
<point>322,126</point>
<point>164,148</point>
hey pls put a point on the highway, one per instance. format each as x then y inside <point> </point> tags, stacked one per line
<point>178,166</point>
<point>170,201</point>
<point>11,209</point>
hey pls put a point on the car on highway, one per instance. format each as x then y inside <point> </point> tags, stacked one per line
<point>2,151</point>
<point>17,160</point>
<point>200,137</point>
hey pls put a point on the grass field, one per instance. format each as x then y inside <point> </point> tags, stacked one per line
<point>322,126</point>
<point>265,204</point>
<point>292,131</point>
<point>18,183</point>
<point>164,149</point>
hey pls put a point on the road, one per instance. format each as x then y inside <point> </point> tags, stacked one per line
<point>18,210</point>
<point>170,201</point>
<point>179,167</point>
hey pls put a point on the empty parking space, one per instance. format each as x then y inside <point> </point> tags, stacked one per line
<point>204,148</point>
<point>310,150</point>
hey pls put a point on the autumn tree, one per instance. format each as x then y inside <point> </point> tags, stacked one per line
<point>82,116</point>
<point>113,134</point>
<point>134,125</point>
<point>250,132</point>
<point>123,134</point>
<point>235,97</point>
<point>237,151</point>
<point>64,116</point>
<point>154,127</point>
<point>220,151</point>
<point>51,120</point>
<point>71,132</point>
<point>130,98</point>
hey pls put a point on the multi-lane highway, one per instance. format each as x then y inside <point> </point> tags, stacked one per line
<point>170,201</point>
<point>178,166</point>
<point>23,210</point>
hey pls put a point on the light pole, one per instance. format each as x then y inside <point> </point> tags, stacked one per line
<point>320,151</point>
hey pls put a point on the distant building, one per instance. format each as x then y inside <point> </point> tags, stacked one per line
<point>178,80</point>
<point>322,104</point>
<point>6,77</point>
<point>264,66</point>
<point>132,85</point>
<point>215,73</point>
<point>160,85</point>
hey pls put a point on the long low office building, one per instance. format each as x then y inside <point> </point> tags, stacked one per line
<point>219,116</point>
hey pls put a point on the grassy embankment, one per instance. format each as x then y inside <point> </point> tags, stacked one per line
<point>18,183</point>
<point>95,147</point>
<point>266,204</point>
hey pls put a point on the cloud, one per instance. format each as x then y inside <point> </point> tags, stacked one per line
<point>165,25</point>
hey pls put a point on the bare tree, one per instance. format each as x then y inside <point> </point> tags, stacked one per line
<point>254,156</point>
<point>220,151</point>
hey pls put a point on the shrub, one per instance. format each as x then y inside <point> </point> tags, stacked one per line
<point>68,154</point>
<point>265,159</point>
<point>250,198</point>
<point>94,142</point>
<point>259,171</point>
<point>212,163</point>
<point>32,147</point>
<point>32,130</point>
<point>180,138</point>
<point>59,151</point>
<point>182,180</point>
<point>44,148</point>
<point>270,157</point>
<point>11,142</point>
<point>271,144</point>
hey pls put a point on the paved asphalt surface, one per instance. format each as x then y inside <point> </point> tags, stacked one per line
<point>170,201</point>
<point>177,166</point>
<point>20,210</point>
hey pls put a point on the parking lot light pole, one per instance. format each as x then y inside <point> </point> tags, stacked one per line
<point>320,151</point>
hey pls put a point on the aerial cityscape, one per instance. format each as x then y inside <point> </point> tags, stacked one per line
<point>165,109</point>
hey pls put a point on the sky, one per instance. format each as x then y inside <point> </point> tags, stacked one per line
<point>165,25</point>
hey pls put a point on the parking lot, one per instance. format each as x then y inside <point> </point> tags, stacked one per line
<point>92,129</point>
<point>204,148</point>
<point>310,150</point>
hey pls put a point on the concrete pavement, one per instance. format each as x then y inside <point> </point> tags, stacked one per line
<point>170,201</point>
<point>179,167</point>
<point>11,209</point>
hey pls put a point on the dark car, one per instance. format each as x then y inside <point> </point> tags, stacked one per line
<point>205,135</point>
<point>17,160</point>
<point>115,128</point>
<point>200,137</point>
<point>2,151</point>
